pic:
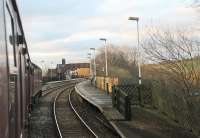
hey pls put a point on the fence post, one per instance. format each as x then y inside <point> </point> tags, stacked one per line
<point>127,108</point>
<point>113,96</point>
<point>117,97</point>
<point>107,89</point>
<point>104,83</point>
<point>95,83</point>
<point>139,95</point>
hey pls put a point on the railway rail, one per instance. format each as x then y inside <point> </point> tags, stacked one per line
<point>42,123</point>
<point>75,117</point>
<point>51,88</point>
<point>62,113</point>
<point>68,124</point>
<point>93,118</point>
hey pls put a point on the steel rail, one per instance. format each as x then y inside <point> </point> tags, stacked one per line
<point>54,111</point>
<point>56,87</point>
<point>80,118</point>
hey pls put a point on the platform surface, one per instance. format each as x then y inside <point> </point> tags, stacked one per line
<point>100,99</point>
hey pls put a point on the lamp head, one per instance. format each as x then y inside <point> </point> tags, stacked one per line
<point>103,39</point>
<point>134,18</point>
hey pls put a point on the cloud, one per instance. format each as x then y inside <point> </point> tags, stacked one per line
<point>71,26</point>
<point>73,39</point>
<point>76,46</point>
<point>56,57</point>
<point>96,34</point>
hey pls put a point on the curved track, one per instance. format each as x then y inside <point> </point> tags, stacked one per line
<point>93,118</point>
<point>42,123</point>
<point>61,113</point>
<point>68,124</point>
<point>76,118</point>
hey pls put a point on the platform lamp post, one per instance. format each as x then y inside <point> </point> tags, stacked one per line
<point>139,68</point>
<point>94,72</point>
<point>42,62</point>
<point>106,58</point>
<point>51,70</point>
<point>90,59</point>
<point>106,64</point>
<point>43,69</point>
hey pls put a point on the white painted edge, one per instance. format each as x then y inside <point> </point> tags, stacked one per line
<point>101,109</point>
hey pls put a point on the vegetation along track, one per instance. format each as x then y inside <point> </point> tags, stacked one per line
<point>92,117</point>
<point>42,123</point>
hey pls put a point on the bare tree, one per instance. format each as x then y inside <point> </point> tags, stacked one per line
<point>119,58</point>
<point>177,54</point>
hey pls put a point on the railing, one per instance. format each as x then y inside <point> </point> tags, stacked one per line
<point>123,96</point>
<point>122,102</point>
<point>138,95</point>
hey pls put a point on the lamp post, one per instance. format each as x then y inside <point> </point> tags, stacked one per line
<point>139,69</point>
<point>51,69</point>
<point>42,62</point>
<point>106,58</point>
<point>90,59</point>
<point>93,49</point>
<point>106,62</point>
<point>59,73</point>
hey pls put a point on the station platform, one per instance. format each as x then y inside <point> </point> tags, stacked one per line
<point>145,123</point>
<point>100,99</point>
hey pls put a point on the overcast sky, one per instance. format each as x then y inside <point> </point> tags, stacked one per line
<point>68,28</point>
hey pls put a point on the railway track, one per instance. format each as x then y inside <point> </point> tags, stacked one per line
<point>75,119</point>
<point>61,113</point>
<point>93,117</point>
<point>42,123</point>
<point>68,124</point>
<point>50,87</point>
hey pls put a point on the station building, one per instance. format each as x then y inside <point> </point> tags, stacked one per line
<point>73,70</point>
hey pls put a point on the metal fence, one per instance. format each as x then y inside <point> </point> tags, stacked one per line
<point>123,96</point>
<point>138,94</point>
<point>122,102</point>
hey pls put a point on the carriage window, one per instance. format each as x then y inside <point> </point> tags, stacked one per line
<point>10,40</point>
<point>12,69</point>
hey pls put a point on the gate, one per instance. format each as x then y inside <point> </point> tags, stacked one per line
<point>121,101</point>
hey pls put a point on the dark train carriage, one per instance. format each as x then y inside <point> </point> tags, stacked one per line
<point>4,109</point>
<point>19,77</point>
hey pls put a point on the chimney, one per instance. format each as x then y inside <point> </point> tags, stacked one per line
<point>63,61</point>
